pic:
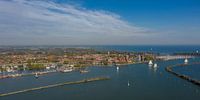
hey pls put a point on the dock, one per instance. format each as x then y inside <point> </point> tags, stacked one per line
<point>25,74</point>
<point>56,85</point>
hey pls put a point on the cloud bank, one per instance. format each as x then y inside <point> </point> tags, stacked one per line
<point>41,22</point>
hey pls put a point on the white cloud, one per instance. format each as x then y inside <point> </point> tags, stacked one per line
<point>29,20</point>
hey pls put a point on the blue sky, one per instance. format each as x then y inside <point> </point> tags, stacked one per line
<point>99,22</point>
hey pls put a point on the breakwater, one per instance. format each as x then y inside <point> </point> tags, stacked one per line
<point>197,54</point>
<point>173,57</point>
<point>56,85</point>
<point>182,76</point>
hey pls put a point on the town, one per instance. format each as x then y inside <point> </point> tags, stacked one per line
<point>24,61</point>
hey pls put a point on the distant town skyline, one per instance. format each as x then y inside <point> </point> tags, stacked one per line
<point>99,22</point>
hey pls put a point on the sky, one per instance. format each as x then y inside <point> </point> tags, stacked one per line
<point>99,22</point>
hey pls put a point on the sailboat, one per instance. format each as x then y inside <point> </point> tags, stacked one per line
<point>117,68</point>
<point>128,83</point>
<point>36,75</point>
<point>155,65</point>
<point>150,63</point>
<point>186,61</point>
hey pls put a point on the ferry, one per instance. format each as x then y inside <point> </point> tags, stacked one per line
<point>66,70</point>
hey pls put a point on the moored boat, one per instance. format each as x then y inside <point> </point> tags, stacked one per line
<point>66,70</point>
<point>84,71</point>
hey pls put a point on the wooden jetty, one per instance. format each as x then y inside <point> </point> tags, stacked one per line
<point>56,85</point>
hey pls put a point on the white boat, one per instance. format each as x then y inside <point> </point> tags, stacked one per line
<point>36,75</point>
<point>150,63</point>
<point>9,70</point>
<point>47,68</point>
<point>66,70</point>
<point>128,83</point>
<point>186,61</point>
<point>84,71</point>
<point>155,65</point>
<point>117,68</point>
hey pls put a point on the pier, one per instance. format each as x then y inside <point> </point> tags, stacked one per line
<point>174,57</point>
<point>182,76</point>
<point>56,85</point>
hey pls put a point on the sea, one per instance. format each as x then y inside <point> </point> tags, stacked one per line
<point>130,82</point>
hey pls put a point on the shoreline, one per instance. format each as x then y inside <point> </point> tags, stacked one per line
<point>27,74</point>
<point>48,72</point>
<point>43,73</point>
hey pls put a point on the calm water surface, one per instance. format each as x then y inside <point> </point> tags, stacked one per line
<point>145,83</point>
<point>190,70</point>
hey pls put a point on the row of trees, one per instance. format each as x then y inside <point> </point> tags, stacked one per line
<point>36,66</point>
